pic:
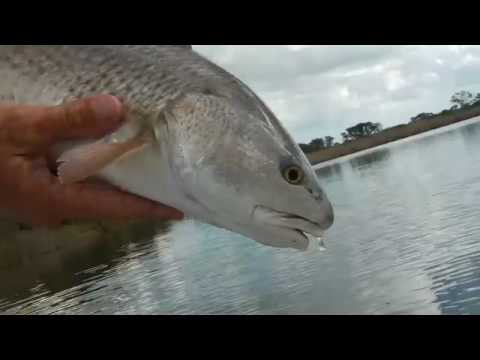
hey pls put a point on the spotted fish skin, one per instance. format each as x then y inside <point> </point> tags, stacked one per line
<point>215,150</point>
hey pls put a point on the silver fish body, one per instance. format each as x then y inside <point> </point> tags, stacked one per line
<point>217,152</point>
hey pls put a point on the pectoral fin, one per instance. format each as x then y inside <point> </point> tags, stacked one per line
<point>87,160</point>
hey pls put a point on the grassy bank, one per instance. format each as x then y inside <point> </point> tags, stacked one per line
<point>392,134</point>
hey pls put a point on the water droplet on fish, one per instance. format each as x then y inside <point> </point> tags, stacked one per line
<point>321,244</point>
<point>315,244</point>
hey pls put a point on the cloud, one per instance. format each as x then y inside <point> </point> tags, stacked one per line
<point>321,90</point>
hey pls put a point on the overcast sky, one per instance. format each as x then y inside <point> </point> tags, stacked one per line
<point>321,90</point>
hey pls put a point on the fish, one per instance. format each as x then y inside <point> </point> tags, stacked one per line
<point>196,137</point>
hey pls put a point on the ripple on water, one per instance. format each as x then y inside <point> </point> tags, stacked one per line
<point>405,241</point>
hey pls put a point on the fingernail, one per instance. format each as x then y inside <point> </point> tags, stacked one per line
<point>173,215</point>
<point>178,215</point>
<point>107,107</point>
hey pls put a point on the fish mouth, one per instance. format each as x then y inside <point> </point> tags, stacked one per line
<point>307,234</point>
<point>310,231</point>
<point>304,225</point>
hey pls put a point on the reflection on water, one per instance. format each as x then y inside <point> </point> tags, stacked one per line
<point>333,171</point>
<point>36,264</point>
<point>406,241</point>
<point>367,160</point>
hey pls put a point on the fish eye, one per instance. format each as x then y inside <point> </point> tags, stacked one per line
<point>293,174</point>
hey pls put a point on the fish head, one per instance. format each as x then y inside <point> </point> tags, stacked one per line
<point>242,171</point>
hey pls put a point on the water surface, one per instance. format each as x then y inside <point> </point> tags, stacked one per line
<point>406,241</point>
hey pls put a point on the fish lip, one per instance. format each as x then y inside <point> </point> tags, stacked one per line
<point>301,233</point>
<point>306,221</point>
<point>297,217</point>
<point>308,236</point>
<point>304,227</point>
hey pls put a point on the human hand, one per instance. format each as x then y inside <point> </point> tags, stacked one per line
<point>30,190</point>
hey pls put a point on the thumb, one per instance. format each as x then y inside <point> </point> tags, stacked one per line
<point>91,117</point>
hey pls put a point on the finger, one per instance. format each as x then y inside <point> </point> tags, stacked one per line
<point>41,126</point>
<point>45,201</point>
<point>94,201</point>
<point>90,117</point>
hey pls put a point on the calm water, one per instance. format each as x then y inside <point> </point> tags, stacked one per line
<point>406,241</point>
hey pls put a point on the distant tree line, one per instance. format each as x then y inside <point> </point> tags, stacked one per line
<point>352,133</point>
<point>318,144</point>
<point>460,100</point>
<point>361,130</point>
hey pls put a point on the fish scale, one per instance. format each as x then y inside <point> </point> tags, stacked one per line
<point>78,71</point>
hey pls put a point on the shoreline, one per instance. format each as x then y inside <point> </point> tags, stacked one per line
<point>390,135</point>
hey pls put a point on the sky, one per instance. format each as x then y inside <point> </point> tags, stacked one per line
<point>319,91</point>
